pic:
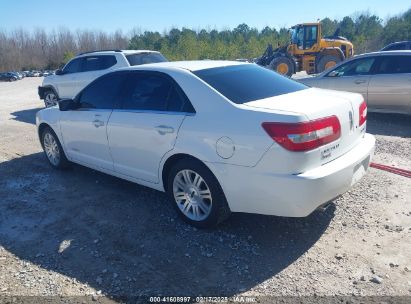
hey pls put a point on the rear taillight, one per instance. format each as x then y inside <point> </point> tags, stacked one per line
<point>304,136</point>
<point>363,113</point>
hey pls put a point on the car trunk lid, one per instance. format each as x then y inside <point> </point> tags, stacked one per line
<point>317,104</point>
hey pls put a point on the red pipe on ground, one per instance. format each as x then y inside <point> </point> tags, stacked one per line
<point>390,169</point>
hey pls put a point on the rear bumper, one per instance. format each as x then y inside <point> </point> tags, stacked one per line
<point>254,190</point>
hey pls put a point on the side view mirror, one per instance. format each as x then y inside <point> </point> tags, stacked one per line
<point>68,104</point>
<point>59,72</point>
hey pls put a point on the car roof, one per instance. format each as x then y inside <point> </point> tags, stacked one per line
<point>384,53</point>
<point>404,43</point>
<point>398,42</point>
<point>191,65</point>
<point>110,52</point>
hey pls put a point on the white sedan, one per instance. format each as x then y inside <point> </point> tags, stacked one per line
<point>217,136</point>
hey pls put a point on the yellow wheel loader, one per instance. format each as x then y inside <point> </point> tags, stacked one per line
<point>307,51</point>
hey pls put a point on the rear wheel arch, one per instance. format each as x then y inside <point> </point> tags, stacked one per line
<point>219,209</point>
<point>172,160</point>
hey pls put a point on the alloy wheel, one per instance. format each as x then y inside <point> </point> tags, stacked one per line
<point>192,195</point>
<point>51,148</point>
<point>50,99</point>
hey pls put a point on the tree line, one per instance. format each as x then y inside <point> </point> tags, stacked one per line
<point>22,49</point>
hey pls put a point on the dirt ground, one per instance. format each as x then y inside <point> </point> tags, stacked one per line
<point>84,233</point>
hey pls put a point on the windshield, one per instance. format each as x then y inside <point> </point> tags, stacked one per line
<point>143,58</point>
<point>247,82</point>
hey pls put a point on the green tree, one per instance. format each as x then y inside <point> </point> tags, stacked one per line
<point>68,55</point>
<point>328,26</point>
<point>366,31</point>
<point>347,28</point>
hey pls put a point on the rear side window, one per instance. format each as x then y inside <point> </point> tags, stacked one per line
<point>394,65</point>
<point>153,91</point>
<point>143,58</point>
<point>95,63</point>
<point>247,82</point>
<point>102,93</point>
<point>73,66</point>
<point>107,62</point>
<point>91,64</point>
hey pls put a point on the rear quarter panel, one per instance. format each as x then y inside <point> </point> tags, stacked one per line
<point>217,118</point>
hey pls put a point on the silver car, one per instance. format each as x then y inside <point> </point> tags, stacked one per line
<point>383,78</point>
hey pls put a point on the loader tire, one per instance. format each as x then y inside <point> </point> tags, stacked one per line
<point>282,65</point>
<point>326,62</point>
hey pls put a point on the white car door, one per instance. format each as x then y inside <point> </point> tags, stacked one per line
<point>146,127</point>
<point>67,82</point>
<point>354,76</point>
<point>84,130</point>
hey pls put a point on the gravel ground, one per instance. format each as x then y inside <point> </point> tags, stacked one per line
<point>84,233</point>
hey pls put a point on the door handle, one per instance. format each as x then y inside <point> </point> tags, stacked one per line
<point>162,130</point>
<point>358,81</point>
<point>98,123</point>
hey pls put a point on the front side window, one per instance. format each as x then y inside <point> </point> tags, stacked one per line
<point>102,93</point>
<point>152,91</point>
<point>248,82</point>
<point>353,68</point>
<point>394,65</point>
<point>73,66</point>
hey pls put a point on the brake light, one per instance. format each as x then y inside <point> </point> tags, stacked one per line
<point>363,113</point>
<point>304,136</point>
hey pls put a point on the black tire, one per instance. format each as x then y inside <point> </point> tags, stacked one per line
<point>219,207</point>
<point>50,98</point>
<point>325,60</point>
<point>62,162</point>
<point>278,63</point>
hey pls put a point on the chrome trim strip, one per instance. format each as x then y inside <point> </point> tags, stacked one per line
<point>136,111</point>
<point>154,112</point>
<point>93,110</point>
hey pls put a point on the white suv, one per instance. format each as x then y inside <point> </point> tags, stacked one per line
<point>86,67</point>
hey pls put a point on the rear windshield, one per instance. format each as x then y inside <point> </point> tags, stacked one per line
<point>248,82</point>
<point>143,58</point>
